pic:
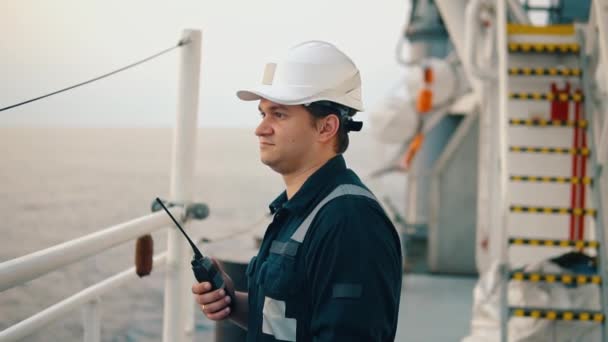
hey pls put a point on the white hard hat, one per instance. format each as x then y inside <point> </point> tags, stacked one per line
<point>311,71</point>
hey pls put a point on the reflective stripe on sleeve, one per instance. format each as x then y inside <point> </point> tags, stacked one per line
<point>275,323</point>
<point>347,290</point>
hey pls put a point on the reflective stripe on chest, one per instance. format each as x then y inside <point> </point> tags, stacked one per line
<point>291,247</point>
<point>275,322</point>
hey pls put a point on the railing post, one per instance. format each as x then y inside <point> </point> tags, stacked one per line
<point>91,321</point>
<point>178,302</point>
<point>501,219</point>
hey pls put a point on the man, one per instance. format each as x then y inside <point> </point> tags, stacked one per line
<point>329,267</point>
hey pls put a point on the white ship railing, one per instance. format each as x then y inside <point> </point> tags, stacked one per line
<point>23,269</point>
<point>178,315</point>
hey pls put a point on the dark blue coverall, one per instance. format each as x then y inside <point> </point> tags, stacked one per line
<point>337,280</point>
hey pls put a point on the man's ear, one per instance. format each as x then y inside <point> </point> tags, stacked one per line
<point>328,127</point>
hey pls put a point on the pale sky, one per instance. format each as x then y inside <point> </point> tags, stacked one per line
<point>48,45</point>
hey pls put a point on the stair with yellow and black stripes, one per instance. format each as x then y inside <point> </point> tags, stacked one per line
<point>518,47</point>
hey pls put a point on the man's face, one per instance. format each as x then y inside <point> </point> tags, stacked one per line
<point>286,135</point>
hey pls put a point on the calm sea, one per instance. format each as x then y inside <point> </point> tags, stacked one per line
<point>61,183</point>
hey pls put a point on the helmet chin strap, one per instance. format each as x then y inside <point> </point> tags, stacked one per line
<point>352,125</point>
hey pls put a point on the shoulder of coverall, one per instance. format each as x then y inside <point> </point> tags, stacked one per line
<point>352,218</point>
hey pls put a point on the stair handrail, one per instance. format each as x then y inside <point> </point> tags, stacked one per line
<point>519,13</point>
<point>471,37</point>
<point>598,43</point>
<point>597,194</point>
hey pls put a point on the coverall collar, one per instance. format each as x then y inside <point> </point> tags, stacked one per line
<point>311,189</point>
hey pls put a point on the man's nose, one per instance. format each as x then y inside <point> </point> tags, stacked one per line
<point>263,129</point>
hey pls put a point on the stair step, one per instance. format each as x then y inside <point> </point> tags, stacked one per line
<point>553,243</point>
<point>552,210</point>
<point>546,179</point>
<point>544,123</point>
<point>547,97</point>
<point>544,47</point>
<point>555,150</point>
<point>563,315</point>
<point>527,71</point>
<point>562,30</point>
<point>534,277</point>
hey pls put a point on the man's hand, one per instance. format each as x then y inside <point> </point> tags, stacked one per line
<point>214,304</point>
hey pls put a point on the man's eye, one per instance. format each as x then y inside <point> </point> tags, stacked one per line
<point>279,115</point>
<point>262,114</point>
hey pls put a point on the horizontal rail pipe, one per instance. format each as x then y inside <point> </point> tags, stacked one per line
<point>56,311</point>
<point>22,269</point>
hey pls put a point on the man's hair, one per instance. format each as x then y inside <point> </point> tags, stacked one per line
<point>322,109</point>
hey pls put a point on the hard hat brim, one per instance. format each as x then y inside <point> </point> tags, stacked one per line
<point>280,95</point>
<point>295,96</point>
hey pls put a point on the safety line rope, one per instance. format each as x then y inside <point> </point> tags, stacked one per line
<point>179,44</point>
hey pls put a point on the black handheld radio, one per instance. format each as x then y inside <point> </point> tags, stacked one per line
<point>202,266</point>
